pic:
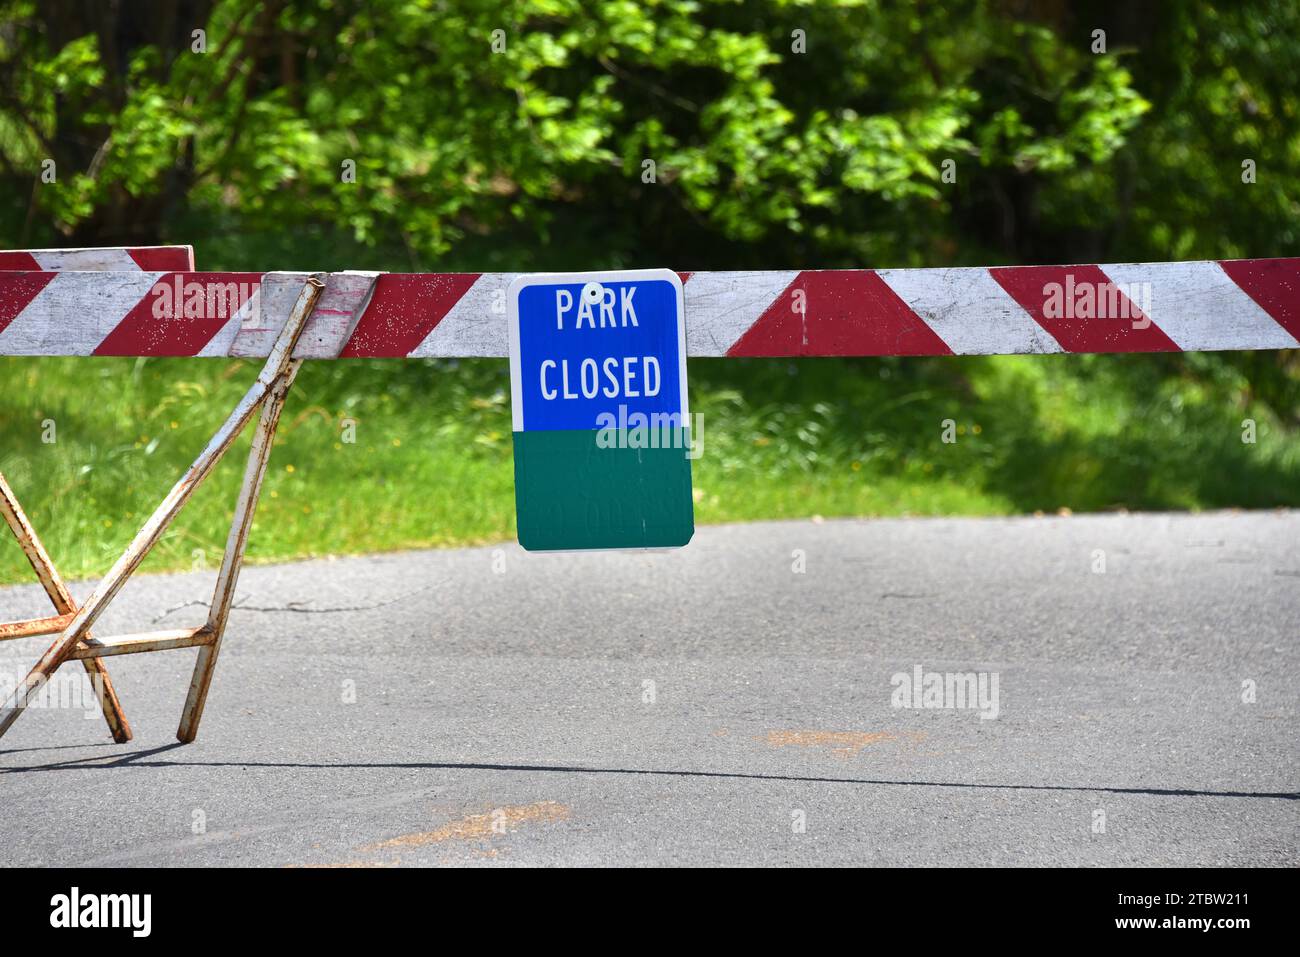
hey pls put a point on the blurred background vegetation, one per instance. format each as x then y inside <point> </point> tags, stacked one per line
<point>786,134</point>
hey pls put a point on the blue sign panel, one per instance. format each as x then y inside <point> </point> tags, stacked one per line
<point>585,348</point>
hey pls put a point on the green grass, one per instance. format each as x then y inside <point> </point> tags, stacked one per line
<point>431,462</point>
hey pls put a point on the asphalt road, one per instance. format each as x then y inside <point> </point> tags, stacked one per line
<point>707,706</point>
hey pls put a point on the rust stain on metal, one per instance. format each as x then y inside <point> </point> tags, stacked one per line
<point>481,826</point>
<point>143,642</point>
<point>61,598</point>
<point>278,375</point>
<point>34,626</point>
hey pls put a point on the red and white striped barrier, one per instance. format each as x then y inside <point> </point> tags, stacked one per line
<point>129,259</point>
<point>1125,307</point>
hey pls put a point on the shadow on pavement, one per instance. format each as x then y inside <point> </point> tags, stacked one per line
<point>138,759</point>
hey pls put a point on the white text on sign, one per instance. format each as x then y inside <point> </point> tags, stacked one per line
<point>589,379</point>
<point>628,377</point>
<point>604,305</point>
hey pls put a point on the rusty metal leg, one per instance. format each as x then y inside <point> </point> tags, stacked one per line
<point>278,364</point>
<point>135,553</point>
<point>54,586</point>
<point>231,563</point>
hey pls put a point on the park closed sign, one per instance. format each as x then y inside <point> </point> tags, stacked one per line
<point>602,438</point>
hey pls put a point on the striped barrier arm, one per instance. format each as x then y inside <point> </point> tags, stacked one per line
<point>129,259</point>
<point>1126,307</point>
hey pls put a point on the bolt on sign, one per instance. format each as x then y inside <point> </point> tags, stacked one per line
<point>598,397</point>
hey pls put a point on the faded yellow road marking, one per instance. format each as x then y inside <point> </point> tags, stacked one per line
<point>479,826</point>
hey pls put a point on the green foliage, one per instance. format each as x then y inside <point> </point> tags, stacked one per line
<point>525,128</point>
<point>465,118</point>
